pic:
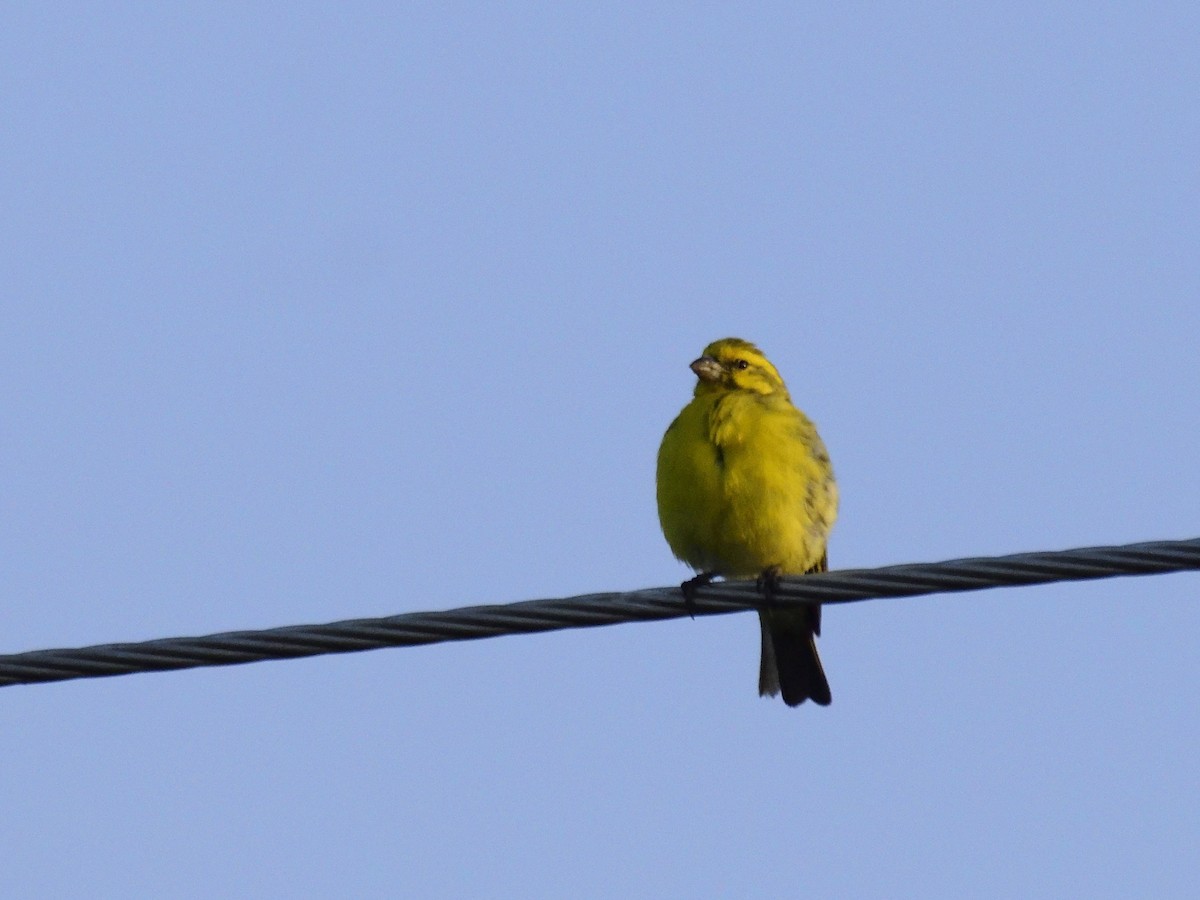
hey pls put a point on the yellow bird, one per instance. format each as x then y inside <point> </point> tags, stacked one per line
<point>746,490</point>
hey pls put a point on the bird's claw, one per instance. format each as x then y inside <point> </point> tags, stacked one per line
<point>689,589</point>
<point>768,584</point>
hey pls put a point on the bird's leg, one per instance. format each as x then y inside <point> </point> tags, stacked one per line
<point>690,587</point>
<point>768,584</point>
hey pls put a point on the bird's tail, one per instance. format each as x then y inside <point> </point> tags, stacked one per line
<point>790,664</point>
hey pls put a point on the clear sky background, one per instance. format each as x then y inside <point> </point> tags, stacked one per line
<point>320,311</point>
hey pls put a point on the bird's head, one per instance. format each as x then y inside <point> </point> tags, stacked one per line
<point>732,364</point>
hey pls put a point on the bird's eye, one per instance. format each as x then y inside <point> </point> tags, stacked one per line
<point>741,364</point>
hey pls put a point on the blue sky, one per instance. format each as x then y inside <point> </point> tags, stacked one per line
<point>314,313</point>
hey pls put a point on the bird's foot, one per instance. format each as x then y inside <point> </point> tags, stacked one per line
<point>768,584</point>
<point>690,587</point>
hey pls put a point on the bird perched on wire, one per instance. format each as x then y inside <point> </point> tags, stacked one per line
<point>746,490</point>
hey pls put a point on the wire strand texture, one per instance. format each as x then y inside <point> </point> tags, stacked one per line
<point>590,610</point>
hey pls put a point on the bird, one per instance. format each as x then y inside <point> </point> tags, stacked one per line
<point>745,489</point>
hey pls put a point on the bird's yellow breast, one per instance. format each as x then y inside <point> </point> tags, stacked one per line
<point>745,483</point>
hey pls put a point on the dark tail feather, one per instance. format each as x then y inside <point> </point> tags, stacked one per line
<point>790,663</point>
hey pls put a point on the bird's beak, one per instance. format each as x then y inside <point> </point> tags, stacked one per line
<point>707,369</point>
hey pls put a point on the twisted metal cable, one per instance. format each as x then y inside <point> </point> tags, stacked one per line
<point>590,610</point>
